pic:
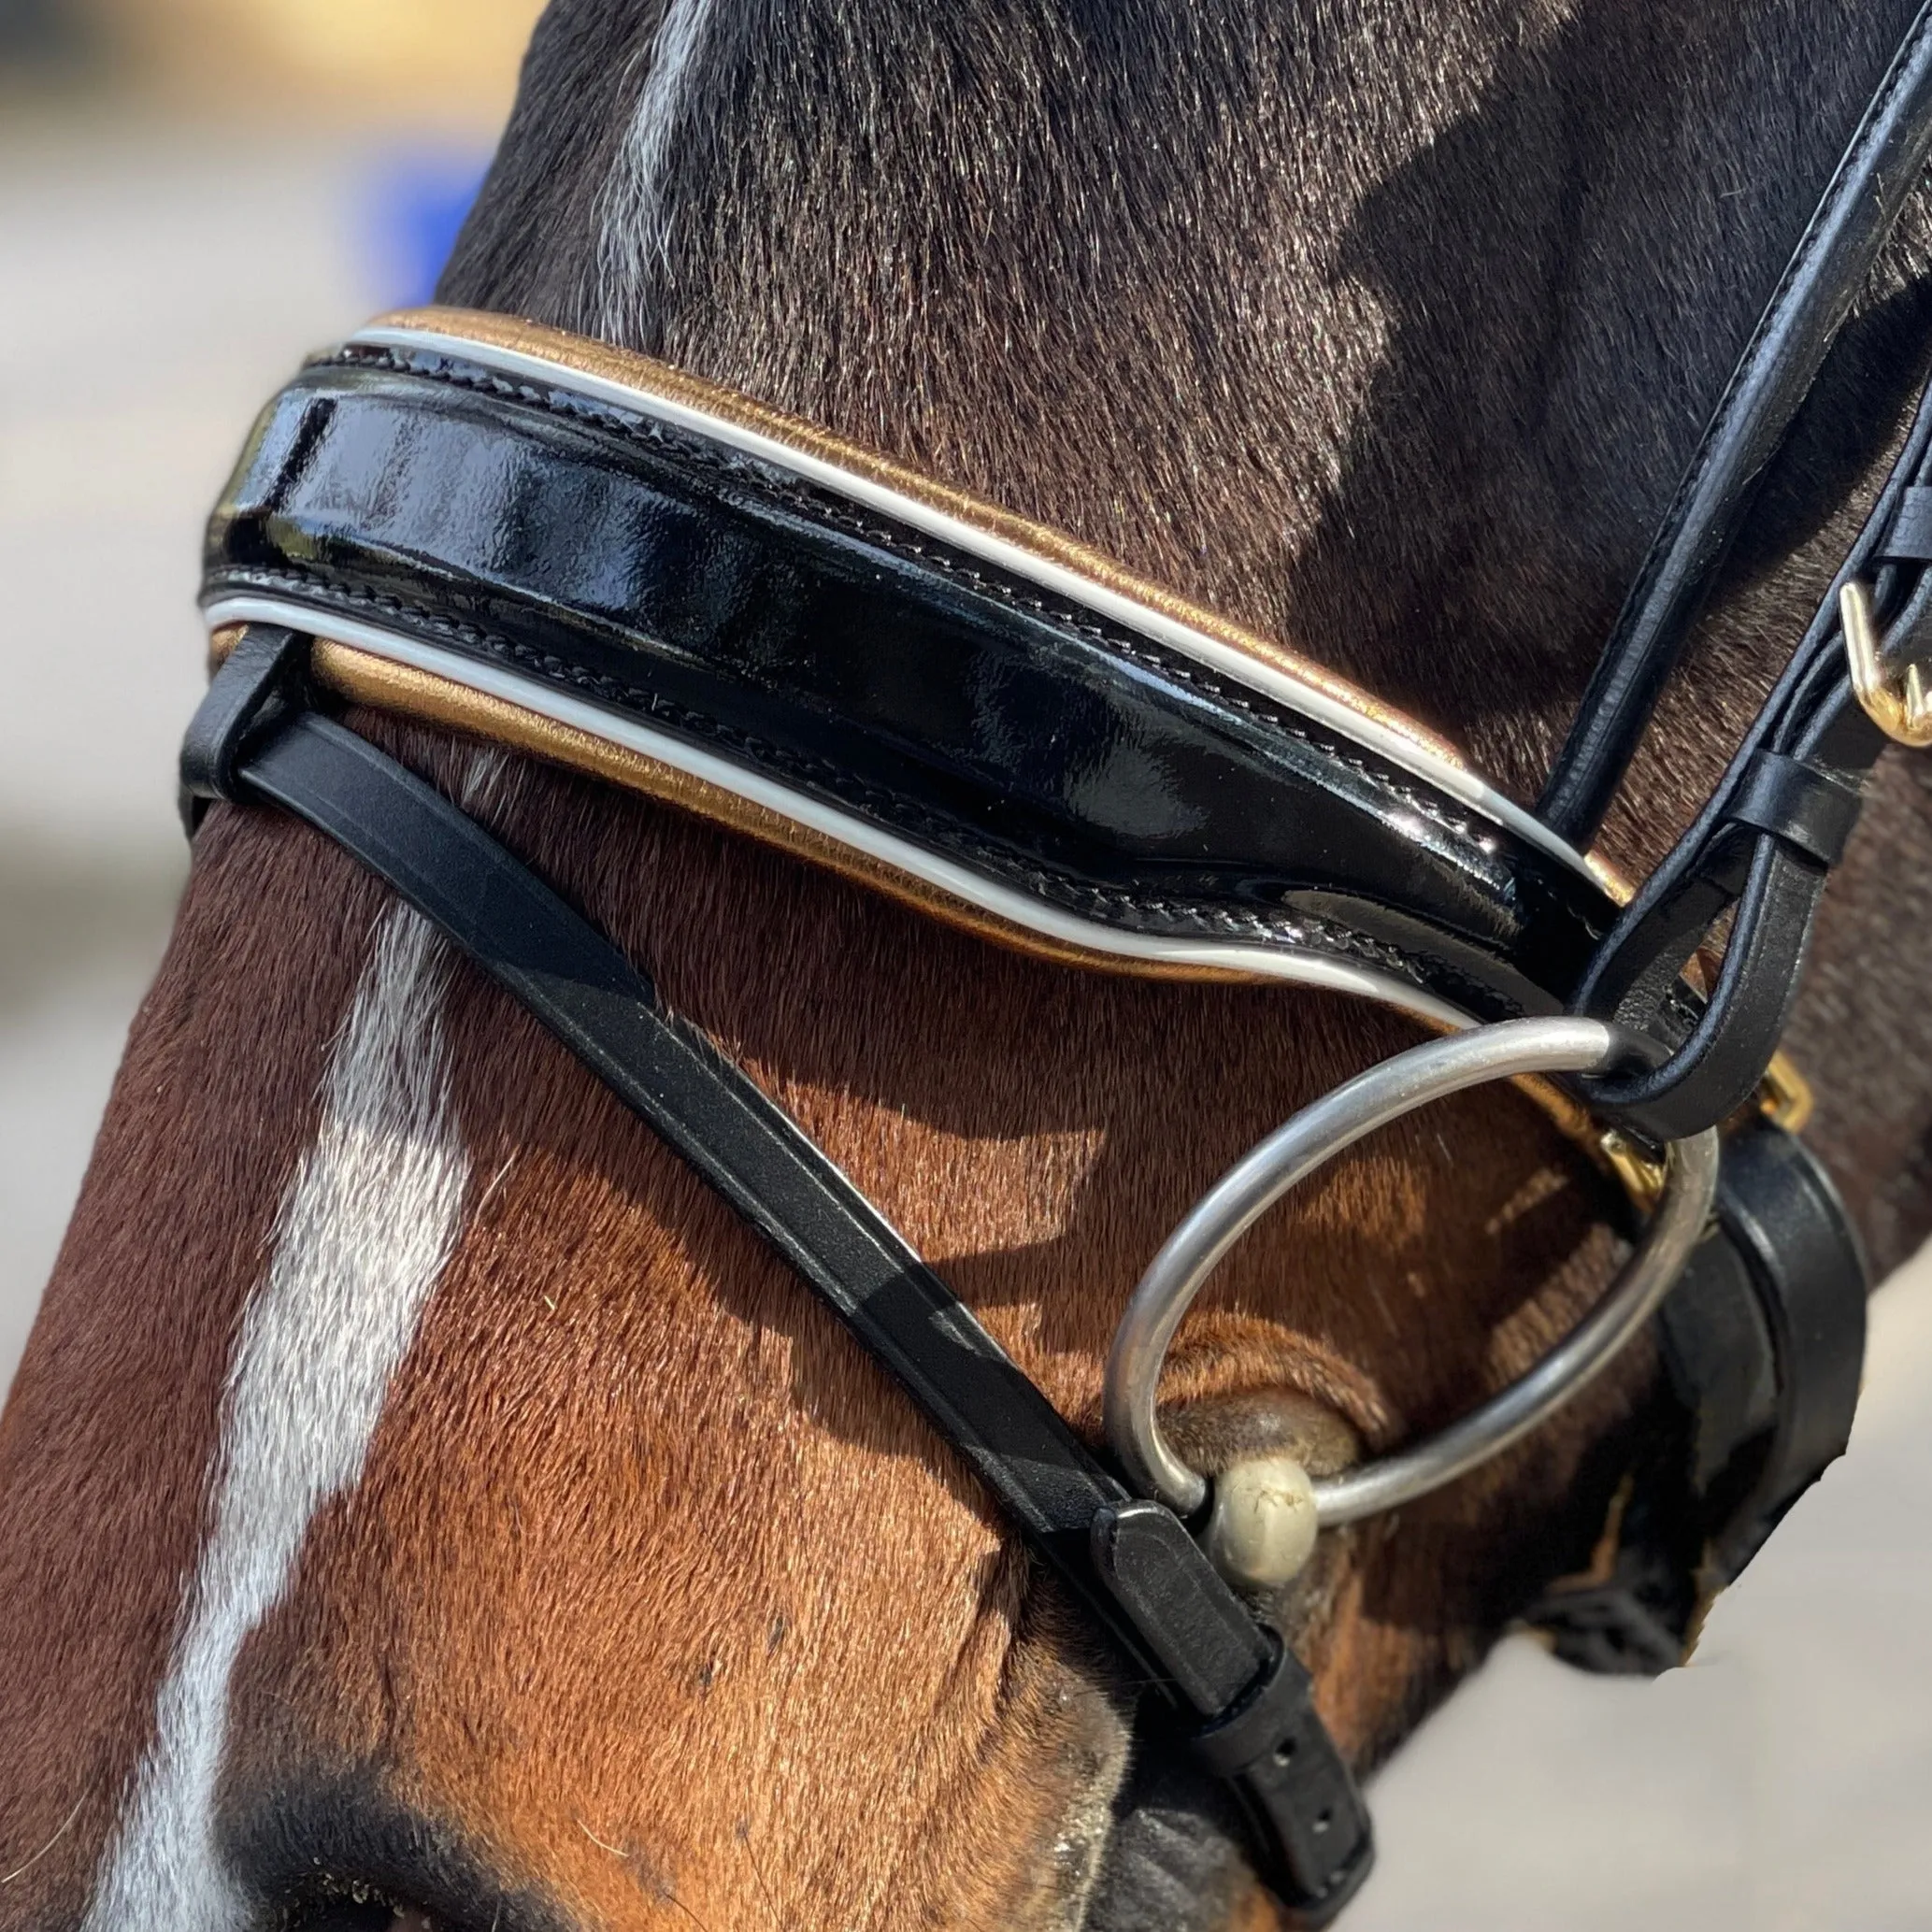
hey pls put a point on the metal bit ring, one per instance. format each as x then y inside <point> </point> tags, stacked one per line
<point>1314,1135</point>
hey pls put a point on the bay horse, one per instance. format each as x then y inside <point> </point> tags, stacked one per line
<point>423,1503</point>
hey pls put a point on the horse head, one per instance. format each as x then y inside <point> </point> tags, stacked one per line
<point>424,1503</point>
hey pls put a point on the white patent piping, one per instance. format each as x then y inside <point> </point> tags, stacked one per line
<point>1307,698</point>
<point>855,834</point>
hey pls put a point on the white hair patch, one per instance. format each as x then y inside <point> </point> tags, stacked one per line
<point>634,233</point>
<point>366,1227</point>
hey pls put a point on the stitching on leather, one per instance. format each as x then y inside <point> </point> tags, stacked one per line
<point>1801,259</point>
<point>1166,664</point>
<point>1313,934</point>
<point>827,508</point>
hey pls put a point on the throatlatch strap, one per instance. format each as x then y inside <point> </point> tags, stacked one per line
<point>1131,1563</point>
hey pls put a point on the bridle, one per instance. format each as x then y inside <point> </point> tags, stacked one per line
<point>584,554</point>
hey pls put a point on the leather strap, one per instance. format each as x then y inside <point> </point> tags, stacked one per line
<point>1130,1563</point>
<point>1764,1344</point>
<point>1878,174</point>
<point>642,572</point>
<point>1766,844</point>
<point>1789,1252</point>
<point>1812,811</point>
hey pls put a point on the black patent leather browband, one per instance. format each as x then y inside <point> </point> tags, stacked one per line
<point>1245,1698</point>
<point>598,554</point>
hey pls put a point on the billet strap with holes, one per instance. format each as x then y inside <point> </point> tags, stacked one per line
<point>1241,1695</point>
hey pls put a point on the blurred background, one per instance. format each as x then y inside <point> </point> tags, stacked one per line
<point>192,193</point>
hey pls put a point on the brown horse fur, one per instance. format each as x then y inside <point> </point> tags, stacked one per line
<point>1385,326</point>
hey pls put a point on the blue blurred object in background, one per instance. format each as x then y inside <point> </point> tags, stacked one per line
<point>413,202</point>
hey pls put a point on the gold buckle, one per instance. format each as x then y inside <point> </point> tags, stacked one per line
<point>1895,701</point>
<point>1784,1098</point>
<point>1784,1095</point>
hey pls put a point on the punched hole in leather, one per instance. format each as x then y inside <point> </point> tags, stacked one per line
<point>1268,1742</point>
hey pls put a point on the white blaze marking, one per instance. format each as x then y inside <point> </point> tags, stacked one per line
<point>369,1220</point>
<point>635,227</point>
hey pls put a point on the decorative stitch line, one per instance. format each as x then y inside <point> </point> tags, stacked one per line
<point>1156,914</point>
<point>634,426</point>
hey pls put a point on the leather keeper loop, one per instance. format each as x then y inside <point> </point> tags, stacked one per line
<point>262,672</point>
<point>1909,539</point>
<point>1810,810</point>
<point>1267,1723</point>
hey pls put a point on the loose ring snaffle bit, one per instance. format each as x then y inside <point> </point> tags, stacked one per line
<point>1314,1135</point>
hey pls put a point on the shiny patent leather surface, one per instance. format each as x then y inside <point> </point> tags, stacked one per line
<point>722,601</point>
